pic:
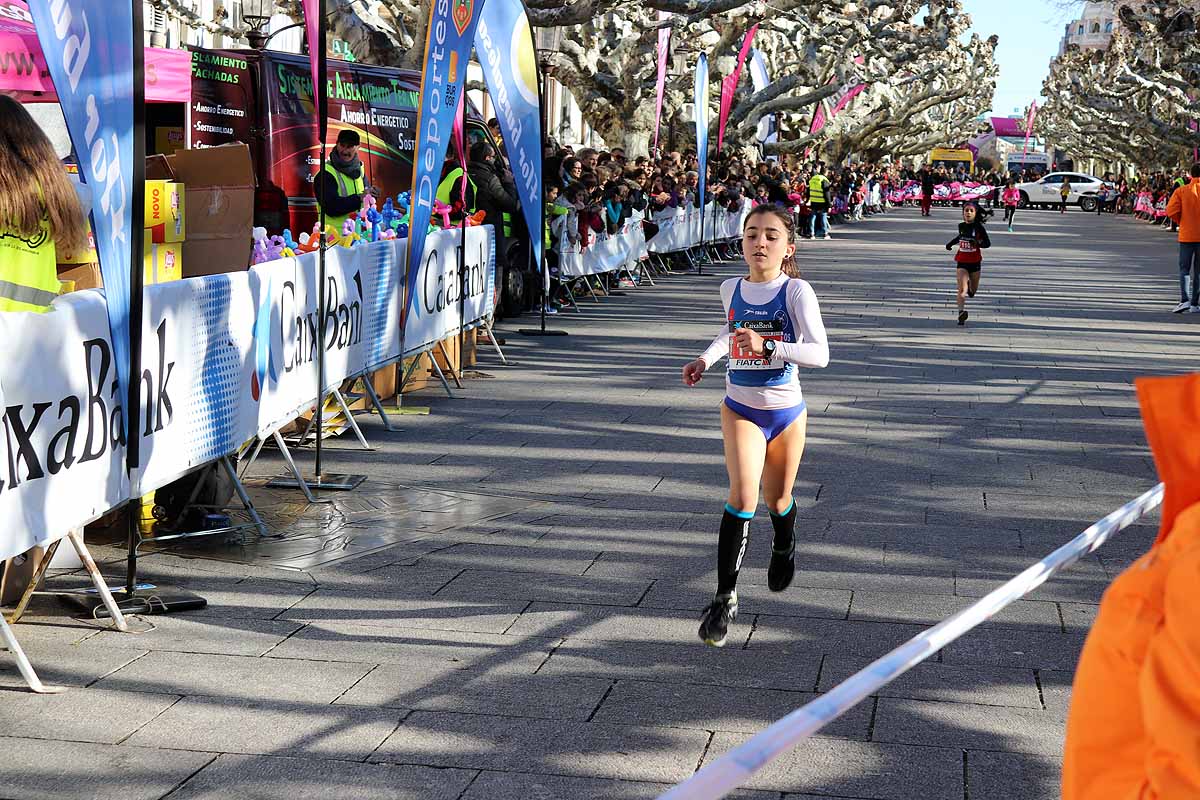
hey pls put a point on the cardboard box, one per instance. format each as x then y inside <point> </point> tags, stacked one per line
<point>163,262</point>
<point>219,206</point>
<point>80,276</point>
<point>88,256</point>
<point>169,139</point>
<point>165,210</point>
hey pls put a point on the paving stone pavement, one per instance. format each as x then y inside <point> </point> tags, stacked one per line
<point>550,651</point>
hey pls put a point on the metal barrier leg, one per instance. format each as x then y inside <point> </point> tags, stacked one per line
<point>442,377</point>
<point>258,446</point>
<point>453,372</point>
<point>247,503</point>
<point>27,672</point>
<point>287,457</point>
<point>341,401</point>
<point>487,326</point>
<point>378,404</point>
<point>38,574</point>
<point>317,413</point>
<point>101,585</point>
<point>644,270</point>
<point>571,295</point>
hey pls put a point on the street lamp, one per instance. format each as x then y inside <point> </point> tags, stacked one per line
<point>256,14</point>
<point>547,41</point>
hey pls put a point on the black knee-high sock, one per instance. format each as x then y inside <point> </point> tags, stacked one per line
<point>731,546</point>
<point>785,528</point>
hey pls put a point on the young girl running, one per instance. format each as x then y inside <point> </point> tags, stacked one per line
<point>972,238</point>
<point>774,327</point>
<point>1011,199</point>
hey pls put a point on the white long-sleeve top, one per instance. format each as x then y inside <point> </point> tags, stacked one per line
<point>811,349</point>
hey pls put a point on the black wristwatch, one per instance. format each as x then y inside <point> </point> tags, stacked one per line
<point>769,349</point>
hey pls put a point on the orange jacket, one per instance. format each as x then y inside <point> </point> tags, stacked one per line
<point>1133,731</point>
<point>1184,209</point>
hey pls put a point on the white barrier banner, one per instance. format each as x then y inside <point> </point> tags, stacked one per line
<point>606,252</point>
<point>224,357</point>
<point>63,448</point>
<point>679,228</point>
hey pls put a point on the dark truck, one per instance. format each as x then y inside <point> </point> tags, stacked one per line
<point>265,99</point>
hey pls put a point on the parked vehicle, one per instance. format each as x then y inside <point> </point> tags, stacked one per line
<point>1047,192</point>
<point>264,98</point>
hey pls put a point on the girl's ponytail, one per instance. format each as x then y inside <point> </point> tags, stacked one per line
<point>790,267</point>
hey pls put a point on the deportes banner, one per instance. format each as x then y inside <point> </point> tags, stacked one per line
<point>729,85</point>
<point>504,46</point>
<point>90,47</point>
<point>664,47</point>
<point>701,114</point>
<point>447,51</point>
<point>225,357</point>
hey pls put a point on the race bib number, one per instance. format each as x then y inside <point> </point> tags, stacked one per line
<point>746,359</point>
<point>967,246</point>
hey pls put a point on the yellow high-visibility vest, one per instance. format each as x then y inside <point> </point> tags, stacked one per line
<point>446,188</point>
<point>816,190</point>
<point>346,187</point>
<point>28,273</point>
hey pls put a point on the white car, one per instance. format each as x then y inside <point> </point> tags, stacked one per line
<point>1048,190</point>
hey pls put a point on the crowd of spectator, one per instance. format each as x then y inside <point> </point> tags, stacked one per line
<point>591,193</point>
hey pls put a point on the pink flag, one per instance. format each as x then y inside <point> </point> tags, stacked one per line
<point>664,46</point>
<point>460,149</point>
<point>818,120</point>
<point>313,19</point>
<point>729,85</point>
<point>1028,129</point>
<point>850,90</point>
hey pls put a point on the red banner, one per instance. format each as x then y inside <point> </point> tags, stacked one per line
<point>729,85</point>
<point>664,46</point>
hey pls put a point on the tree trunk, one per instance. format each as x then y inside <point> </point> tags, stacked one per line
<point>637,142</point>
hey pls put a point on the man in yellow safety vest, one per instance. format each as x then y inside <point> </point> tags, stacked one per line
<point>340,188</point>
<point>818,201</point>
<point>449,191</point>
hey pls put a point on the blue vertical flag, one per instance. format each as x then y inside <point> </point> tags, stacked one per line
<point>88,46</point>
<point>448,42</point>
<point>702,125</point>
<point>504,46</point>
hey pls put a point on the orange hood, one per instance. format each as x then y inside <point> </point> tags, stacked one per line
<point>1171,414</point>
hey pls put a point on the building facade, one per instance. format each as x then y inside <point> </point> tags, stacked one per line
<point>1094,28</point>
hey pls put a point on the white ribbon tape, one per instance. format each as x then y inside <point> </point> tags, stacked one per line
<point>732,769</point>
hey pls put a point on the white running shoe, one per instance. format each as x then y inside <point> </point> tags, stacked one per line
<point>827,236</point>
<point>1182,307</point>
<point>1194,310</point>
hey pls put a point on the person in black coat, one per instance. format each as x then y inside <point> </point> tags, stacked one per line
<point>492,191</point>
